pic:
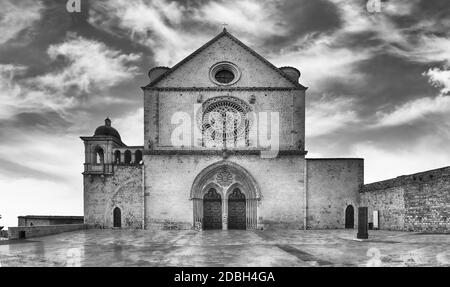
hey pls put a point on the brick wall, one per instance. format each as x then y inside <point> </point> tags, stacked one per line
<point>416,202</point>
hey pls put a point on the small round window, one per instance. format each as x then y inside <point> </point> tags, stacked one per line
<point>224,73</point>
<point>224,76</point>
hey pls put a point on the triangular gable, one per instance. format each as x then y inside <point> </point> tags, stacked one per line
<point>211,42</point>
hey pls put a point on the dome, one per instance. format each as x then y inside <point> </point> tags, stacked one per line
<point>107,130</point>
<point>292,72</point>
<point>155,72</point>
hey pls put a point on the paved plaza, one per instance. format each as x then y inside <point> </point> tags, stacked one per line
<point>228,248</point>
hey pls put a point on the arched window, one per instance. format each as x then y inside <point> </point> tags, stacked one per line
<point>99,155</point>
<point>127,157</point>
<point>137,156</point>
<point>117,157</point>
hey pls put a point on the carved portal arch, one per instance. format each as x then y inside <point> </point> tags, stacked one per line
<point>224,177</point>
<point>214,174</point>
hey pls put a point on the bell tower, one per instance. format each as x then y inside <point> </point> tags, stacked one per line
<point>98,150</point>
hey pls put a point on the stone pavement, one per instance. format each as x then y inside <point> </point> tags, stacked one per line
<point>228,248</point>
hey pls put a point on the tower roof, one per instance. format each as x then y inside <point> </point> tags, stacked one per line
<point>107,130</point>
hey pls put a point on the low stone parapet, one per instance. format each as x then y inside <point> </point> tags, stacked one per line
<point>23,232</point>
<point>3,234</point>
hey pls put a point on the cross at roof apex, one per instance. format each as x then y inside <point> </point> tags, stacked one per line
<point>224,26</point>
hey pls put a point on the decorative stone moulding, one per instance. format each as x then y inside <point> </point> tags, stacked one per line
<point>224,178</point>
<point>252,99</point>
<point>224,66</point>
<point>221,89</point>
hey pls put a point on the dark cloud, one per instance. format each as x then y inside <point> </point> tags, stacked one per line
<point>381,82</point>
<point>24,123</point>
<point>19,169</point>
<point>358,41</point>
<point>387,81</point>
<point>303,18</point>
<point>391,138</point>
<point>43,121</point>
<point>392,81</point>
<point>437,9</point>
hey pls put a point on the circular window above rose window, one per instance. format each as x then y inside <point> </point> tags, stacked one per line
<point>224,73</point>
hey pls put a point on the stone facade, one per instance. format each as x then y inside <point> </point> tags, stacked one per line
<point>123,189</point>
<point>200,168</point>
<point>280,187</point>
<point>331,185</point>
<point>416,202</point>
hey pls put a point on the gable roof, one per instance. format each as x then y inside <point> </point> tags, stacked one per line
<point>209,43</point>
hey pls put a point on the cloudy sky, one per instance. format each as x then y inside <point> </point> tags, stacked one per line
<point>379,83</point>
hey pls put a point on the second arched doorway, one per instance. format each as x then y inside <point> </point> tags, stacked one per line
<point>236,210</point>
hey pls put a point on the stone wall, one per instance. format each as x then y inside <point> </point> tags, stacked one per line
<point>3,233</point>
<point>33,220</point>
<point>416,202</point>
<point>332,185</point>
<point>168,182</point>
<point>123,189</point>
<point>23,232</point>
<point>161,107</point>
<point>389,203</point>
<point>190,84</point>
<point>195,72</point>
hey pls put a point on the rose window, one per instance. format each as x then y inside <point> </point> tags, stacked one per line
<point>224,120</point>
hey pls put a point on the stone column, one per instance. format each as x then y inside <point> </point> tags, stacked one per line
<point>259,220</point>
<point>198,210</point>
<point>224,214</point>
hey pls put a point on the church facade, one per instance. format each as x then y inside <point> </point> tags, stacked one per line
<point>224,148</point>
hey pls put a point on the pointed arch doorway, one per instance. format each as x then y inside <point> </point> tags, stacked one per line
<point>235,191</point>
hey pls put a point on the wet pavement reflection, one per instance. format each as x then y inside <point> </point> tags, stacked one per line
<point>228,248</point>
